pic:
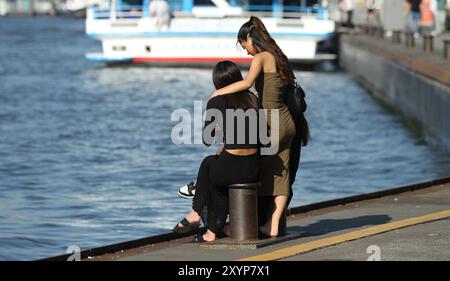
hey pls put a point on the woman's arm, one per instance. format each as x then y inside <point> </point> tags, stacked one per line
<point>255,68</point>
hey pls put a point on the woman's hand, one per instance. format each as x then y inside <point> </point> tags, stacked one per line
<point>220,149</point>
<point>255,68</point>
<point>216,93</point>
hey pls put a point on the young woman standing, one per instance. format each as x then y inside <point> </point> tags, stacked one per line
<point>270,72</point>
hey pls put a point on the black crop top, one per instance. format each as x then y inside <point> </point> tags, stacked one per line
<point>238,110</point>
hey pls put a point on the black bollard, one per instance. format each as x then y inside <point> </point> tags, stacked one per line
<point>410,41</point>
<point>380,32</point>
<point>447,48</point>
<point>396,39</point>
<point>428,43</point>
<point>372,30</point>
<point>243,202</point>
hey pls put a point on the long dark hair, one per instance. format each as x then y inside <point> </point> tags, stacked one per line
<point>226,73</point>
<point>262,41</point>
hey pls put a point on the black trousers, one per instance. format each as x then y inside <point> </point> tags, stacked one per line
<point>215,174</point>
<point>350,18</point>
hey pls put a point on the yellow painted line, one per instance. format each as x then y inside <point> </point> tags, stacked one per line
<point>334,240</point>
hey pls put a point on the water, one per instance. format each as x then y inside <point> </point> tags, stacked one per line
<point>86,156</point>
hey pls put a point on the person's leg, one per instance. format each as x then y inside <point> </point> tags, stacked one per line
<point>349,18</point>
<point>209,193</point>
<point>217,212</point>
<point>370,18</point>
<point>416,20</point>
<point>410,22</point>
<point>216,198</point>
<point>440,22</point>
<point>220,173</point>
<point>447,22</point>
<point>282,182</point>
<point>201,193</point>
<point>228,169</point>
<point>271,227</point>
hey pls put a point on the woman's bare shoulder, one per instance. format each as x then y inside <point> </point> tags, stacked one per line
<point>266,55</point>
<point>269,61</point>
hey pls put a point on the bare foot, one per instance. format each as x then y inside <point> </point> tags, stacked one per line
<point>269,229</point>
<point>209,236</point>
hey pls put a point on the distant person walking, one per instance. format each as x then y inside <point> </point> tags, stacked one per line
<point>370,15</point>
<point>441,15</point>
<point>349,7</point>
<point>447,18</point>
<point>414,16</point>
<point>160,10</point>
<point>428,10</point>
<point>341,11</point>
<point>373,15</point>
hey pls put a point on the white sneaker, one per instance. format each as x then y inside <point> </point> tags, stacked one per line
<point>187,191</point>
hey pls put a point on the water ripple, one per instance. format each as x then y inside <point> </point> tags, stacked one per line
<point>87,158</point>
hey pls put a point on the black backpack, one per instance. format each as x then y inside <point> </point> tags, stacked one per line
<point>294,98</point>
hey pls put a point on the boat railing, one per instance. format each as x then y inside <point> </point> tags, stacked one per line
<point>137,12</point>
<point>125,12</point>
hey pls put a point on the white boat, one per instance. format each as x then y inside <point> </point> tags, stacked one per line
<point>204,34</point>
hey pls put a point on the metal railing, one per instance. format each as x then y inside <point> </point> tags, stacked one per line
<point>137,12</point>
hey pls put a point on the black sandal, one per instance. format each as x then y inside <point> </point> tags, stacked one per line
<point>199,239</point>
<point>186,226</point>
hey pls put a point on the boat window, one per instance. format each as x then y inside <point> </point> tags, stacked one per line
<point>132,2</point>
<point>288,5</point>
<point>129,9</point>
<point>203,3</point>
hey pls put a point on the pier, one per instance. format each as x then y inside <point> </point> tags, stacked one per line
<point>411,81</point>
<point>93,169</point>
<point>405,223</point>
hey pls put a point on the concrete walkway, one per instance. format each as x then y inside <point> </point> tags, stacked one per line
<point>429,241</point>
<point>438,44</point>
<point>407,232</point>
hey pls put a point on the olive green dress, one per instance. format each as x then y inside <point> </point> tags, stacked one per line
<point>275,168</point>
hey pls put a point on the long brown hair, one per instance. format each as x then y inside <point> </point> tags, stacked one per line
<point>262,41</point>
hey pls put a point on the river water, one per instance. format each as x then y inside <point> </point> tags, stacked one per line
<point>86,156</point>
